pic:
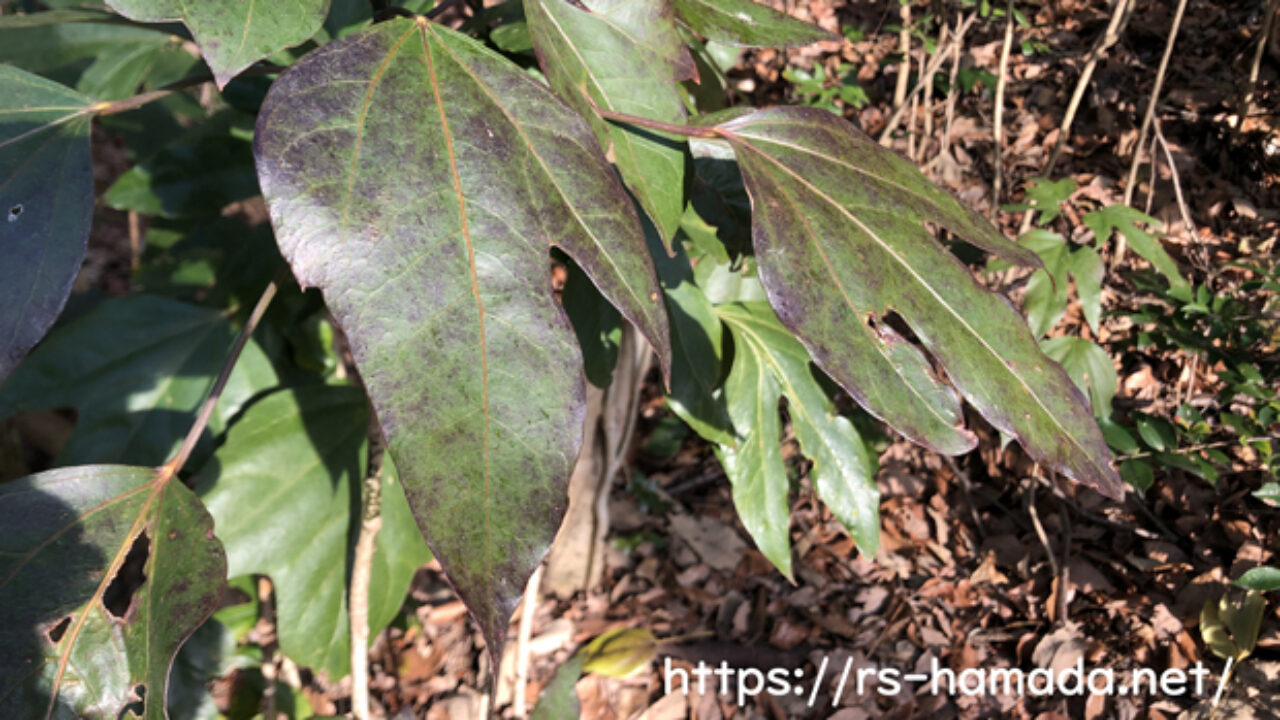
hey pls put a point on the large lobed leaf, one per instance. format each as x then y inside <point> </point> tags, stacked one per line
<point>284,492</point>
<point>625,56</point>
<point>841,241</point>
<point>234,34</point>
<point>76,645</point>
<point>418,179</point>
<point>46,205</point>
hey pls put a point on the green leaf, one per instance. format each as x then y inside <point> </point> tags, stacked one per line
<point>1045,196</point>
<point>199,175</point>
<point>137,368</point>
<point>1087,269</point>
<point>292,468</point>
<point>619,653</point>
<point>1214,631</point>
<point>1268,493</point>
<point>1260,578</point>
<point>840,238</point>
<point>1157,433</point>
<point>233,34</point>
<point>769,362</point>
<point>46,205</point>
<point>1137,473</point>
<point>596,323</point>
<point>418,179</point>
<point>747,23</point>
<point>1128,222</point>
<point>624,56</point>
<point>559,698</point>
<point>80,640</point>
<point>1243,621</point>
<point>1089,367</point>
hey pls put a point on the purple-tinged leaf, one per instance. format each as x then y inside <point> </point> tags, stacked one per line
<point>625,56</point>
<point>105,570</point>
<point>46,205</point>
<point>419,179</point>
<point>840,239</point>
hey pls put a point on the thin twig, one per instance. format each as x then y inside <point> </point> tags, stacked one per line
<point>927,101</point>
<point>362,572</point>
<point>904,49</point>
<point>1177,183</point>
<point>1120,12</point>
<point>1131,184</point>
<point>522,642</point>
<point>137,101</point>
<point>956,41</point>
<point>1002,81</point>
<point>1273,6</point>
<point>179,459</point>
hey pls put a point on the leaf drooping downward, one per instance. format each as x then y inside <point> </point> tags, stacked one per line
<point>104,571</point>
<point>46,204</point>
<point>418,179</point>
<point>234,34</point>
<point>840,240</point>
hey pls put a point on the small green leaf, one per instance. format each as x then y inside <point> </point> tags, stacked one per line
<point>1089,367</point>
<point>1088,270</point>
<point>769,363</point>
<point>292,468</point>
<point>628,57</point>
<point>1243,621</point>
<point>137,368</point>
<point>80,638</point>
<point>840,239</point>
<point>1118,436</point>
<point>1269,493</point>
<point>559,698</point>
<point>46,204</point>
<point>1158,433</point>
<point>748,23</point>
<point>1264,578</point>
<point>1137,473</point>
<point>619,653</point>
<point>1046,196</point>
<point>468,359</point>
<point>233,34</point>
<point>1128,222</point>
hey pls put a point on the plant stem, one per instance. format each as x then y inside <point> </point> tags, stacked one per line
<point>904,49</point>
<point>1247,99</point>
<point>957,40</point>
<point>682,130</point>
<point>1132,182</point>
<point>998,130</point>
<point>137,101</point>
<point>179,459</point>
<point>362,572</point>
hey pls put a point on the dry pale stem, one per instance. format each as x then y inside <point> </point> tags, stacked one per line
<point>998,130</point>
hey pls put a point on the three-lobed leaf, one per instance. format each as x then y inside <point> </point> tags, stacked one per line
<point>46,205</point>
<point>419,179</point>
<point>76,643</point>
<point>768,363</point>
<point>840,241</point>
<point>234,34</point>
<point>283,491</point>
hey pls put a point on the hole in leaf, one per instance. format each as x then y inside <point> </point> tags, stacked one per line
<point>119,594</point>
<point>14,212</point>
<point>137,703</point>
<point>58,629</point>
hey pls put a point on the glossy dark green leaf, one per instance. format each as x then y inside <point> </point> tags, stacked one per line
<point>1129,223</point>
<point>210,167</point>
<point>1089,367</point>
<point>625,56</point>
<point>747,23</point>
<point>234,34</point>
<point>597,324</point>
<point>77,643</point>
<point>418,179</point>
<point>1269,492</point>
<point>1263,578</point>
<point>284,493</point>
<point>769,362</point>
<point>137,368</point>
<point>46,204</point>
<point>840,239</point>
<point>1137,473</point>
